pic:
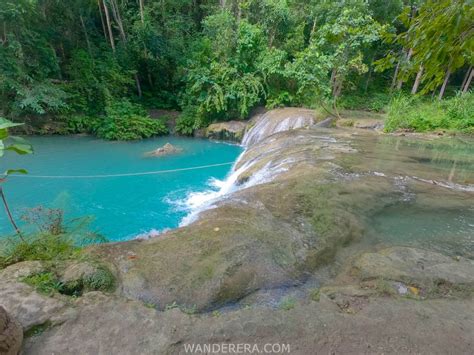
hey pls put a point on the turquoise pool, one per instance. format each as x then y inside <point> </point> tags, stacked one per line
<point>121,207</point>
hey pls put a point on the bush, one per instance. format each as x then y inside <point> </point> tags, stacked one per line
<point>127,121</point>
<point>416,114</point>
<point>460,112</point>
<point>123,121</point>
<point>375,102</point>
<point>185,124</point>
<point>130,128</point>
<point>82,124</point>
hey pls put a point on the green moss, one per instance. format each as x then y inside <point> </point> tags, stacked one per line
<point>101,280</point>
<point>315,295</point>
<point>37,329</point>
<point>183,308</point>
<point>287,303</point>
<point>385,288</point>
<point>48,283</point>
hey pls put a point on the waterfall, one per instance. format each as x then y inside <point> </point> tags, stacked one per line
<point>278,121</point>
<point>272,122</point>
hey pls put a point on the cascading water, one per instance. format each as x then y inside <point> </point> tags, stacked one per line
<point>268,124</point>
<point>278,121</point>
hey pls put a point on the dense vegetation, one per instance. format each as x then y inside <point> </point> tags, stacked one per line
<point>96,64</point>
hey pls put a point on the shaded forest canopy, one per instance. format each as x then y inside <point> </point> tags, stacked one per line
<point>91,60</point>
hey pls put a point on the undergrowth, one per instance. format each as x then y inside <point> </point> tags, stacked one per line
<point>123,120</point>
<point>421,115</point>
<point>49,238</point>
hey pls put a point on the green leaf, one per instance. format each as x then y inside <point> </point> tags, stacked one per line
<point>4,123</point>
<point>20,148</point>
<point>15,171</point>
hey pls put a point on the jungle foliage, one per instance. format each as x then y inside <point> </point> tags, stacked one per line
<point>97,64</point>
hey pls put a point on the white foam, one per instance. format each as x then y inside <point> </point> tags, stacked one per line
<point>198,201</point>
<point>266,127</point>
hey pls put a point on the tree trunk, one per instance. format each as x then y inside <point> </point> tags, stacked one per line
<point>102,20</point>
<point>369,75</point>
<point>468,81</point>
<point>239,11</point>
<point>139,87</point>
<point>142,16</point>
<point>118,19</point>
<point>109,26</point>
<point>395,75</point>
<point>313,29</point>
<point>417,80</point>
<point>86,35</point>
<point>337,87</point>
<point>333,77</point>
<point>466,77</point>
<point>445,83</point>
<point>408,56</point>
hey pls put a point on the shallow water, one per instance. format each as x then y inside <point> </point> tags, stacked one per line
<point>450,231</point>
<point>436,180</point>
<point>122,207</point>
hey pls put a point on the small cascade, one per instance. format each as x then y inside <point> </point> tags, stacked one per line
<point>272,122</point>
<point>275,121</point>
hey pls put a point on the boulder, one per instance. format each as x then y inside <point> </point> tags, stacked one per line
<point>24,303</point>
<point>167,149</point>
<point>230,131</point>
<point>11,334</point>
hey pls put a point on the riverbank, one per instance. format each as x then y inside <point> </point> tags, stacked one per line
<point>297,247</point>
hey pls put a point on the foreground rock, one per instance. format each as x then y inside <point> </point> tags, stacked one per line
<point>230,131</point>
<point>110,325</point>
<point>11,334</point>
<point>24,303</point>
<point>167,149</point>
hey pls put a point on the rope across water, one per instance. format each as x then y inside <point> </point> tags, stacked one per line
<point>120,175</point>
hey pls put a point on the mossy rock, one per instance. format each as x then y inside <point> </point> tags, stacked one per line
<point>228,131</point>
